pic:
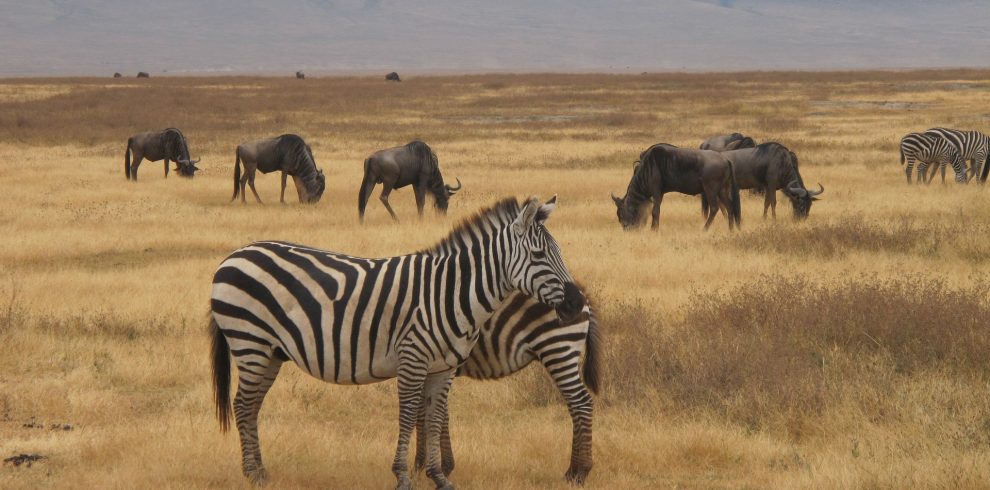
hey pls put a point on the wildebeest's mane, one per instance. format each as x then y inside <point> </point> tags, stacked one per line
<point>292,148</point>
<point>175,144</point>
<point>491,218</point>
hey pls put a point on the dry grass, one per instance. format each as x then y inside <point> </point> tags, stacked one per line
<point>844,351</point>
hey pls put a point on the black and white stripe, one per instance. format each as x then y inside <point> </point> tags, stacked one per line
<point>352,320</point>
<point>928,149</point>
<point>972,146</point>
<point>522,331</point>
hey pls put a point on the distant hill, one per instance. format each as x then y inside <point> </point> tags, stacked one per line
<point>103,36</point>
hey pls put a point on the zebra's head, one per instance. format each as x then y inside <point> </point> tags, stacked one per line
<point>535,264</point>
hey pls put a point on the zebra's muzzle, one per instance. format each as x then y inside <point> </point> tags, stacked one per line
<point>572,304</point>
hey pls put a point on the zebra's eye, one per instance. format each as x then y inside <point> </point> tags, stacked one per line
<point>539,254</point>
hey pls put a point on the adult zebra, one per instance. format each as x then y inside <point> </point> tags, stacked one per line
<point>971,145</point>
<point>930,149</point>
<point>351,320</point>
<point>524,330</point>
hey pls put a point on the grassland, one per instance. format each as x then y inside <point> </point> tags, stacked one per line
<point>845,351</point>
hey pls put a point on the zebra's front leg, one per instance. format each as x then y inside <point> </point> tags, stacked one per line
<point>580,405</point>
<point>435,392</point>
<point>412,374</point>
<point>446,450</point>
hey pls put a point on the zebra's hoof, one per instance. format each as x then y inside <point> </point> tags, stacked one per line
<point>446,486</point>
<point>576,476</point>
<point>258,477</point>
<point>405,484</point>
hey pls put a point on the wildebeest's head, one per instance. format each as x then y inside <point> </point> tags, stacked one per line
<point>315,188</point>
<point>802,198</point>
<point>535,263</point>
<point>629,216</point>
<point>187,168</point>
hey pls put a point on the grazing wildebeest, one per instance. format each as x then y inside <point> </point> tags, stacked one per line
<point>392,77</point>
<point>734,141</point>
<point>169,144</point>
<point>769,167</point>
<point>117,75</point>
<point>412,164</point>
<point>143,74</point>
<point>287,153</point>
<point>666,168</point>
<point>300,75</point>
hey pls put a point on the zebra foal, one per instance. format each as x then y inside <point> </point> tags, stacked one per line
<point>522,331</point>
<point>352,320</point>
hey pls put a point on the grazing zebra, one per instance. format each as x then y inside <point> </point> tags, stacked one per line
<point>929,149</point>
<point>351,320</point>
<point>971,145</point>
<point>522,331</point>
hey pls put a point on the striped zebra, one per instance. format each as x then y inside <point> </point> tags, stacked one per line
<point>971,145</point>
<point>522,331</point>
<point>351,320</point>
<point>929,149</point>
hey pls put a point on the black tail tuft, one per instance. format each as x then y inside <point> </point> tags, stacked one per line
<point>736,204</point>
<point>986,169</point>
<point>237,174</point>
<point>592,358</point>
<point>221,375</point>
<point>127,160</point>
<point>363,192</point>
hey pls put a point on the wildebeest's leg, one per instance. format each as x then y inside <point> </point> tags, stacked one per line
<point>713,206</point>
<point>412,373</point>
<point>138,157</point>
<point>386,190</point>
<point>250,174</point>
<point>281,197</point>
<point>166,166</point>
<point>256,374</point>
<point>655,225</point>
<point>435,391</point>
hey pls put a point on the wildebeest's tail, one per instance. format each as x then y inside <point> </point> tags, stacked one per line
<point>127,160</point>
<point>704,206</point>
<point>364,190</point>
<point>221,374</point>
<point>736,205</point>
<point>237,174</point>
<point>592,368</point>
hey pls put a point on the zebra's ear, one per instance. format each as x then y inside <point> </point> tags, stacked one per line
<point>546,209</point>
<point>526,216</point>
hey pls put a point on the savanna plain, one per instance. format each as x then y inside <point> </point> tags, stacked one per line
<point>848,350</point>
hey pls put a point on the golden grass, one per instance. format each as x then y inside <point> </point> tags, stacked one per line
<point>843,351</point>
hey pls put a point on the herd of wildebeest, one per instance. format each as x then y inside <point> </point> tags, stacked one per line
<point>259,287</point>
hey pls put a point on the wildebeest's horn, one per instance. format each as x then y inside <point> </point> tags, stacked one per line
<point>614,198</point>
<point>194,162</point>
<point>455,189</point>
<point>820,190</point>
<point>795,188</point>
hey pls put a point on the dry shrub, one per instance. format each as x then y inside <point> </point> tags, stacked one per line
<point>783,353</point>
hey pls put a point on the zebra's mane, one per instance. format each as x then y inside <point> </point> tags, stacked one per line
<point>491,218</point>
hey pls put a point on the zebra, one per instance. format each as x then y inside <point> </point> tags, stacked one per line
<point>522,331</point>
<point>352,320</point>
<point>971,145</point>
<point>929,149</point>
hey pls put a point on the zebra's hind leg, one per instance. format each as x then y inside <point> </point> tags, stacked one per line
<point>435,392</point>
<point>256,372</point>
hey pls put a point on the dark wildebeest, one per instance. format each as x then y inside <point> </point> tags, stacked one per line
<point>300,75</point>
<point>666,168</point>
<point>734,141</point>
<point>143,74</point>
<point>287,153</point>
<point>117,75</point>
<point>169,144</point>
<point>392,77</point>
<point>769,167</point>
<point>412,164</point>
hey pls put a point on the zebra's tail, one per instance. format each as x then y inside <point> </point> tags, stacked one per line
<point>986,169</point>
<point>902,155</point>
<point>221,374</point>
<point>237,174</point>
<point>592,358</point>
<point>127,159</point>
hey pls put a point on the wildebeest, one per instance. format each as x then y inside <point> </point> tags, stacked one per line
<point>392,77</point>
<point>117,75</point>
<point>143,74</point>
<point>169,144</point>
<point>664,168</point>
<point>412,164</point>
<point>287,153</point>
<point>300,75</point>
<point>769,167</point>
<point>727,142</point>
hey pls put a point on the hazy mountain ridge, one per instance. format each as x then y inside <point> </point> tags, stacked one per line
<point>96,36</point>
